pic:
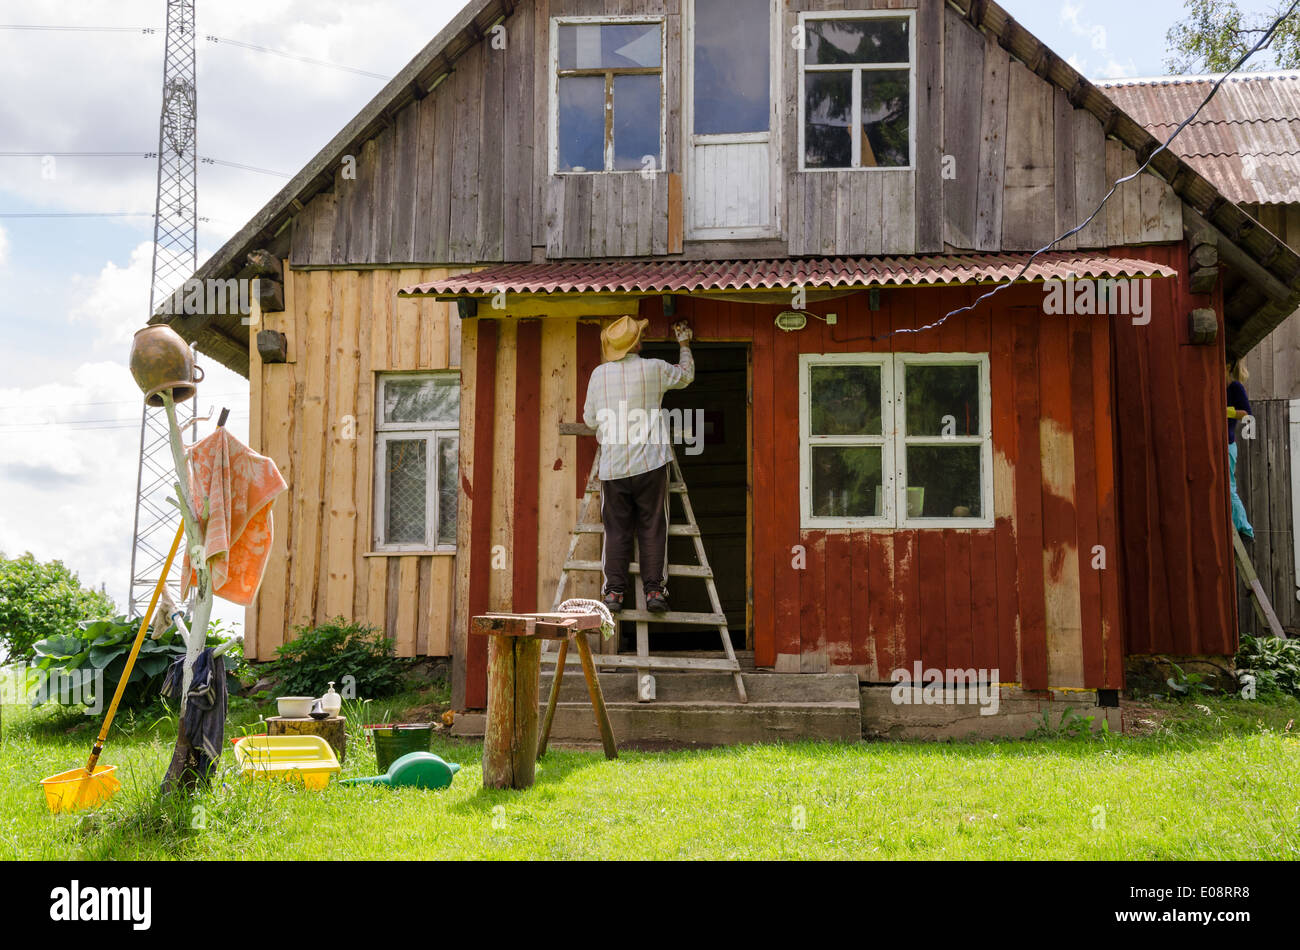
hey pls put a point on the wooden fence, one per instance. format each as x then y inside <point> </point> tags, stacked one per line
<point>1264,481</point>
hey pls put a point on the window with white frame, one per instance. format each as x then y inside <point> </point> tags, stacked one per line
<point>895,440</point>
<point>857,100</point>
<point>417,440</point>
<point>607,101</point>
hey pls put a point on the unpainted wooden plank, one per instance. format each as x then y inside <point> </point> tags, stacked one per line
<point>1090,184</point>
<point>404,193</point>
<point>520,137</point>
<point>468,79</point>
<point>1067,216</point>
<point>930,127</point>
<point>963,95</point>
<point>1029,198</point>
<point>491,154</point>
<point>993,132</point>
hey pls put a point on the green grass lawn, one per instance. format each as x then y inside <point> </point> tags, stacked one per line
<point>1217,781</point>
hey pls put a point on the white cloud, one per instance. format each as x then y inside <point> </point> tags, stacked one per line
<point>4,248</point>
<point>116,302</point>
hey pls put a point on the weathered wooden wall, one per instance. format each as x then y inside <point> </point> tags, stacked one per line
<point>1274,365</point>
<point>1173,464</point>
<point>343,327</point>
<point>1264,483</point>
<point>462,175</point>
<point>1021,597</point>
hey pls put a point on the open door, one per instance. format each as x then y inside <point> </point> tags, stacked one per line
<point>731,164</point>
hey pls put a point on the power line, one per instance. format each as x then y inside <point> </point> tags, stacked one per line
<point>205,159</point>
<point>302,59</point>
<point>79,29</point>
<point>76,214</point>
<point>1263,41</point>
<point>112,402</point>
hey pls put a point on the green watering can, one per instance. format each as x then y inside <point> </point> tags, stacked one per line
<point>413,770</point>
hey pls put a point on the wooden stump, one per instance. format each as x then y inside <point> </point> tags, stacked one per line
<point>510,739</point>
<point>333,730</point>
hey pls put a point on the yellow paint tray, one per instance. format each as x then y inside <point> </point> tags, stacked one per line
<point>305,759</point>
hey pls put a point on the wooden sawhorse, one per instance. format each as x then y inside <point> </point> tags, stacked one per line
<point>511,744</point>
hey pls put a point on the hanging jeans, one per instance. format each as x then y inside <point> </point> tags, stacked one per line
<point>1239,519</point>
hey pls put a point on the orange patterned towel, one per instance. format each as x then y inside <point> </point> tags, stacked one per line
<point>232,487</point>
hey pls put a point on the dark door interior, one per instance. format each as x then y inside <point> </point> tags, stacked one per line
<point>717,480</point>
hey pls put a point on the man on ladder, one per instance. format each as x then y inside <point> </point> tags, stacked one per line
<point>624,406</point>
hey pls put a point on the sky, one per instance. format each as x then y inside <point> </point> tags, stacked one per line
<point>73,290</point>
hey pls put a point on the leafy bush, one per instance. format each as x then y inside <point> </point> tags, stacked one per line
<point>333,650</point>
<point>1273,662</point>
<point>102,646</point>
<point>39,601</point>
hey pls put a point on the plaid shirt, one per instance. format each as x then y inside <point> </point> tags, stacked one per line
<point>627,395</point>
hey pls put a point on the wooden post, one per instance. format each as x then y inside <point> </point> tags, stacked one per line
<point>597,698</point>
<point>554,698</point>
<point>333,730</point>
<point>510,739</point>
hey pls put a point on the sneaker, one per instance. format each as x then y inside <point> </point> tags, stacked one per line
<point>613,601</point>
<point>656,601</point>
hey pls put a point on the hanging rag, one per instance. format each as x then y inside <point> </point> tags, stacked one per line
<point>232,487</point>
<point>204,720</point>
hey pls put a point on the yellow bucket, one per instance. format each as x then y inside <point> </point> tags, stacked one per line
<point>71,791</point>
<point>305,759</point>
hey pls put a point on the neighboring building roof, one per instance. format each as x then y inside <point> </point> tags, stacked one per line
<point>1247,139</point>
<point>658,277</point>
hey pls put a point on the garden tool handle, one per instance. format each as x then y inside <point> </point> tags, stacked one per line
<point>135,652</point>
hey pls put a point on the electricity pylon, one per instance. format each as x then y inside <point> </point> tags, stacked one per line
<point>175,250</point>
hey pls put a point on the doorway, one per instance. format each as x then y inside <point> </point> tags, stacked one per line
<point>716,469</point>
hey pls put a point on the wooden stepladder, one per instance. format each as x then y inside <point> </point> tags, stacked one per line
<point>589,522</point>
<point>1259,600</point>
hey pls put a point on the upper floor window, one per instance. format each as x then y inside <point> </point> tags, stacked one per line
<point>895,440</point>
<point>856,90</point>
<point>417,441</point>
<point>608,96</point>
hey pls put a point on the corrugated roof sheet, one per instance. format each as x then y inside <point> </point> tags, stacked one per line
<point>1246,140</point>
<point>676,276</point>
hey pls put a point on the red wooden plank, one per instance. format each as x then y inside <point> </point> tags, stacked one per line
<point>985,634</point>
<point>767,554</point>
<point>1111,578</point>
<point>1082,406</point>
<point>888,650</point>
<point>528,417</point>
<point>812,604</point>
<point>960,647</point>
<point>864,647</point>
<point>837,605</point>
<point>1002,380</point>
<point>587,359</point>
<point>934,594</point>
<point>480,552</point>
<point>785,515</point>
<point>1029,506</point>
<point>907,599</point>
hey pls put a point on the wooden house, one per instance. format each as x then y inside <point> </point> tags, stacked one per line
<point>895,471</point>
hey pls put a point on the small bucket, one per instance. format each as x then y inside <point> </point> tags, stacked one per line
<point>394,741</point>
<point>73,791</point>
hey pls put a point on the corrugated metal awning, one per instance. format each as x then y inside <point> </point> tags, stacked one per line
<point>668,277</point>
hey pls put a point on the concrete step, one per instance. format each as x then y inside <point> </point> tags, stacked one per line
<point>676,725</point>
<point>712,687</point>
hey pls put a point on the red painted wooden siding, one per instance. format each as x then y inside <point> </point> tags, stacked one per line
<point>1179,588</point>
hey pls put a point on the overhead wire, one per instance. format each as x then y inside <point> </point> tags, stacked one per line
<point>1263,41</point>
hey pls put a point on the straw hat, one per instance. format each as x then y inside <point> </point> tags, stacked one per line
<point>617,339</point>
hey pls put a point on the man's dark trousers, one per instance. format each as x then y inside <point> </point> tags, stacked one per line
<point>635,508</point>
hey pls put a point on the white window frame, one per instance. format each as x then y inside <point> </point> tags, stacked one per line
<point>804,68</point>
<point>554,116</point>
<point>885,440</point>
<point>771,138</point>
<point>895,441</point>
<point>432,433</point>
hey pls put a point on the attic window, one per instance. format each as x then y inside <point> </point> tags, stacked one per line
<point>857,103</point>
<point>607,104</point>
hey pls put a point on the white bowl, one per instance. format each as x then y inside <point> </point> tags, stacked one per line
<point>295,707</point>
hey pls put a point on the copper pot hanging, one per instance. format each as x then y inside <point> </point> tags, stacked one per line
<point>160,361</point>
